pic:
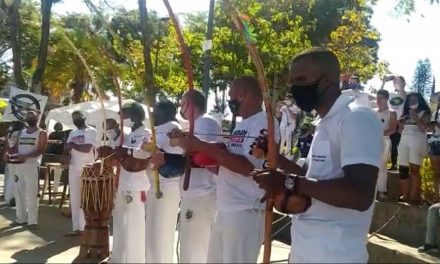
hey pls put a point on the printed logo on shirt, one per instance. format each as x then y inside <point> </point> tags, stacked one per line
<point>266,164</point>
<point>29,141</point>
<point>319,158</point>
<point>80,139</point>
<point>15,178</point>
<point>237,138</point>
<point>189,214</point>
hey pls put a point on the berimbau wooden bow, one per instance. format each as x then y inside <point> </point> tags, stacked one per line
<point>242,23</point>
<point>148,80</point>
<point>188,69</point>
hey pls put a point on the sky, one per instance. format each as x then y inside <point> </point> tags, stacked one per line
<point>402,43</point>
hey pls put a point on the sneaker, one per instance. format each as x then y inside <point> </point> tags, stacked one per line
<point>15,223</point>
<point>428,249</point>
<point>33,227</point>
<point>393,167</point>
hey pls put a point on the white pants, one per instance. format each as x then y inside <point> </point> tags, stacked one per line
<point>196,219</point>
<point>286,134</point>
<point>383,170</point>
<point>128,228</point>
<point>78,220</point>
<point>9,185</point>
<point>161,223</point>
<point>236,237</point>
<point>56,178</point>
<point>26,192</point>
<point>412,149</point>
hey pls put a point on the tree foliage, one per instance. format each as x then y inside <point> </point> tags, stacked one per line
<point>423,79</point>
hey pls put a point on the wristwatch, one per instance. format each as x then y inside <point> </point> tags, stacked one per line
<point>289,183</point>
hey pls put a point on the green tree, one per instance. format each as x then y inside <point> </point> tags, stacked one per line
<point>422,78</point>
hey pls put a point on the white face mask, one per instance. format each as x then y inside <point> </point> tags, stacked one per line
<point>288,102</point>
<point>128,122</point>
<point>414,107</point>
<point>111,134</point>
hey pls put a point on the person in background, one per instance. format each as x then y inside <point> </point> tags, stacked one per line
<point>305,139</point>
<point>361,98</point>
<point>31,146</point>
<point>413,145</point>
<point>287,112</point>
<point>395,104</point>
<point>55,146</point>
<point>434,149</point>
<point>432,223</point>
<point>113,133</point>
<point>388,119</point>
<point>81,144</point>
<point>161,214</point>
<point>218,115</point>
<point>12,137</point>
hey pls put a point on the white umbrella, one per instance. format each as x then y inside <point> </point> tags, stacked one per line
<point>93,112</point>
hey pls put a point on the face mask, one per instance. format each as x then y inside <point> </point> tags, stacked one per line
<point>414,107</point>
<point>32,122</point>
<point>234,106</point>
<point>128,122</point>
<point>307,96</point>
<point>111,134</point>
<point>354,86</point>
<point>288,102</point>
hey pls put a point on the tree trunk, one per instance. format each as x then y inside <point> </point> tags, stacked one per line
<point>37,77</point>
<point>14,23</point>
<point>79,83</point>
<point>149,90</point>
<point>207,54</point>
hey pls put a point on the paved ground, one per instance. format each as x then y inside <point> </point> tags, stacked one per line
<point>48,245</point>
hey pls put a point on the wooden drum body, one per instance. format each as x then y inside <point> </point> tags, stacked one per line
<point>97,193</point>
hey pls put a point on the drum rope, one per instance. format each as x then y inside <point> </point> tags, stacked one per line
<point>388,221</point>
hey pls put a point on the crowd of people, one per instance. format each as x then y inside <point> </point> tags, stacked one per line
<point>330,182</point>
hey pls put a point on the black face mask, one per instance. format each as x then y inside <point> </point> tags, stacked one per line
<point>31,122</point>
<point>79,123</point>
<point>307,96</point>
<point>234,106</point>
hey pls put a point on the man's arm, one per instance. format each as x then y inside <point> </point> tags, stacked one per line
<point>290,167</point>
<point>85,148</point>
<point>353,191</point>
<point>42,143</point>
<point>236,163</point>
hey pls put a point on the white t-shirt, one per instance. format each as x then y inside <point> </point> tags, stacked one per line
<point>85,136</point>
<point>286,118</point>
<point>325,233</point>
<point>384,118</point>
<point>115,142</point>
<point>135,181</point>
<point>28,143</point>
<point>236,192</point>
<point>203,181</point>
<point>361,99</point>
<point>396,104</point>
<point>163,142</point>
<point>218,116</point>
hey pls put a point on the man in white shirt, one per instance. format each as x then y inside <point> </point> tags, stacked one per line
<point>129,209</point>
<point>361,98</point>
<point>287,111</point>
<point>161,212</point>
<point>198,205</point>
<point>237,232</point>
<point>31,146</point>
<point>81,144</point>
<point>342,170</point>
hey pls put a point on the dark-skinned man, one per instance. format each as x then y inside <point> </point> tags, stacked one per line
<point>31,146</point>
<point>129,209</point>
<point>342,167</point>
<point>81,145</point>
<point>237,232</point>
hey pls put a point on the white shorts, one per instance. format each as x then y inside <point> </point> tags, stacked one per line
<point>412,149</point>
